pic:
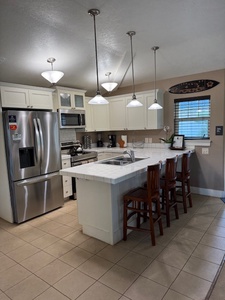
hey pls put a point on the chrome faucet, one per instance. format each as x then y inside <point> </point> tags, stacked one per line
<point>131,154</point>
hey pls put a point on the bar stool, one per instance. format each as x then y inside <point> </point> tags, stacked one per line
<point>139,202</point>
<point>183,177</point>
<point>168,188</point>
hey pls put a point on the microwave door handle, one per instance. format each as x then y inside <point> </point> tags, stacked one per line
<point>81,119</point>
<point>41,139</point>
<point>37,142</point>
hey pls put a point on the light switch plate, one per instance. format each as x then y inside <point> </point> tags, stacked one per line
<point>205,150</point>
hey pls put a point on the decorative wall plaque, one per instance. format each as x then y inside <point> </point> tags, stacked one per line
<point>193,86</point>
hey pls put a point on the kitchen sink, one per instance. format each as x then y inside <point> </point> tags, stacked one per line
<point>120,161</point>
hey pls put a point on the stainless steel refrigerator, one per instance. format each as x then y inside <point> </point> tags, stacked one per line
<point>34,160</point>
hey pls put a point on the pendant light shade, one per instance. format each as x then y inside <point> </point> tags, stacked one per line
<point>98,99</point>
<point>109,86</point>
<point>134,102</point>
<point>155,105</point>
<point>52,76</point>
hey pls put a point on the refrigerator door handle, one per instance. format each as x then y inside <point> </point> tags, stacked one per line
<point>41,138</point>
<point>37,179</point>
<point>37,142</point>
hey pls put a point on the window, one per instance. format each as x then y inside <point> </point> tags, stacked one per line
<point>192,117</point>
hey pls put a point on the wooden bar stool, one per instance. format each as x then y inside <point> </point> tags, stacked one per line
<point>139,203</point>
<point>183,177</point>
<point>168,188</point>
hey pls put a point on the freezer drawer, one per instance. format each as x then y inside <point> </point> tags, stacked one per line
<point>36,196</point>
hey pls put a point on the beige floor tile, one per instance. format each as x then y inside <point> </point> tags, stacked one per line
<point>20,228</point>
<point>28,289</point>
<point>49,226</point>
<point>219,222</point>
<point>213,241</point>
<point>51,294</point>
<point>64,219</point>
<point>201,268</point>
<point>191,286</point>
<point>146,248</point>
<point>76,257</point>
<point>133,239</point>
<point>76,238</point>
<point>44,241</point>
<point>95,267</point>
<point>54,271</point>
<point>113,253</point>
<point>135,262</point>
<point>118,278</point>
<point>216,230</point>
<point>183,245</point>
<point>93,245</point>
<point>99,291</point>
<point>217,294</point>
<point>221,213</point>
<point>32,234</point>
<point>23,252</point>
<point>173,258</point>
<point>37,261</point>
<point>210,254</point>
<point>74,284</point>
<point>161,273</point>
<point>3,296</point>
<point>210,210</point>
<point>12,276</point>
<point>11,244</point>
<point>199,222</point>
<point>172,295</point>
<point>5,236</point>
<point>62,231</point>
<point>145,289</point>
<point>37,222</point>
<point>59,248</point>
<point>6,262</point>
<point>190,234</point>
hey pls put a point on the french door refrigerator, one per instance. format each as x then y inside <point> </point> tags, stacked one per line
<point>34,160</point>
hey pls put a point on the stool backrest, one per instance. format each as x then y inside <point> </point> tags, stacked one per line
<point>153,180</point>
<point>171,169</point>
<point>186,164</point>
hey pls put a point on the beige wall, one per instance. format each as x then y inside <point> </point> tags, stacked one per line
<point>207,170</point>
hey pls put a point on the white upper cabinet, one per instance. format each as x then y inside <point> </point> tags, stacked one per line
<point>97,117</point>
<point>117,113</point>
<point>67,98</point>
<point>17,97</point>
<point>154,117</point>
<point>136,116</point>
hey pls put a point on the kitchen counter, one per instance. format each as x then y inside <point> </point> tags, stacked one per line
<point>115,174</point>
<point>100,190</point>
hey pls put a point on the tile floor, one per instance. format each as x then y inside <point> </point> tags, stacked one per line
<point>48,258</point>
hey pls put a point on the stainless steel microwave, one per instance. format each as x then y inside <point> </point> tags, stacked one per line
<point>70,118</point>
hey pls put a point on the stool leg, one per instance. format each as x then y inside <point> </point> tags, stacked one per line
<point>174,199</point>
<point>189,192</point>
<point>158,212</point>
<point>167,198</point>
<point>184,196</point>
<point>125,219</point>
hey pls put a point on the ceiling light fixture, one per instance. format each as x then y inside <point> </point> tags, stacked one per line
<point>98,99</point>
<point>52,76</point>
<point>110,85</point>
<point>134,102</point>
<point>155,105</point>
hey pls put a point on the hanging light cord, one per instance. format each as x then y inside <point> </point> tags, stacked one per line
<point>131,33</point>
<point>94,13</point>
<point>154,49</point>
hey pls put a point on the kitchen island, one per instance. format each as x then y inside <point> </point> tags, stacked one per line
<point>100,190</point>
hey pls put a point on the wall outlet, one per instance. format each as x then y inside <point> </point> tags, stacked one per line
<point>205,150</point>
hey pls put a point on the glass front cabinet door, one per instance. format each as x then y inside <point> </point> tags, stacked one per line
<point>70,98</point>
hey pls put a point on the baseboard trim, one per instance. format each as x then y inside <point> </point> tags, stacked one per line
<point>208,192</point>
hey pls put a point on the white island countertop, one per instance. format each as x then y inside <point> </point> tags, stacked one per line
<point>114,174</point>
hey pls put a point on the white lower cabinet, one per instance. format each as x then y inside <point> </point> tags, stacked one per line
<point>67,181</point>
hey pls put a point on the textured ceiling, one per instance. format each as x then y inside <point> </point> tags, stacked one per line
<point>190,34</point>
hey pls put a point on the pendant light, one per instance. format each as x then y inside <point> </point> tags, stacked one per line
<point>109,86</point>
<point>155,105</point>
<point>134,102</point>
<point>52,76</point>
<point>98,99</point>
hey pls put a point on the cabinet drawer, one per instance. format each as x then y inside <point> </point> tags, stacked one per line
<point>67,191</point>
<point>66,163</point>
<point>66,180</point>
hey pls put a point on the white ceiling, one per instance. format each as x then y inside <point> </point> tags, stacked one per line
<point>190,34</point>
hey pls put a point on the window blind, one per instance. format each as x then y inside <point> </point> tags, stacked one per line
<point>192,117</point>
